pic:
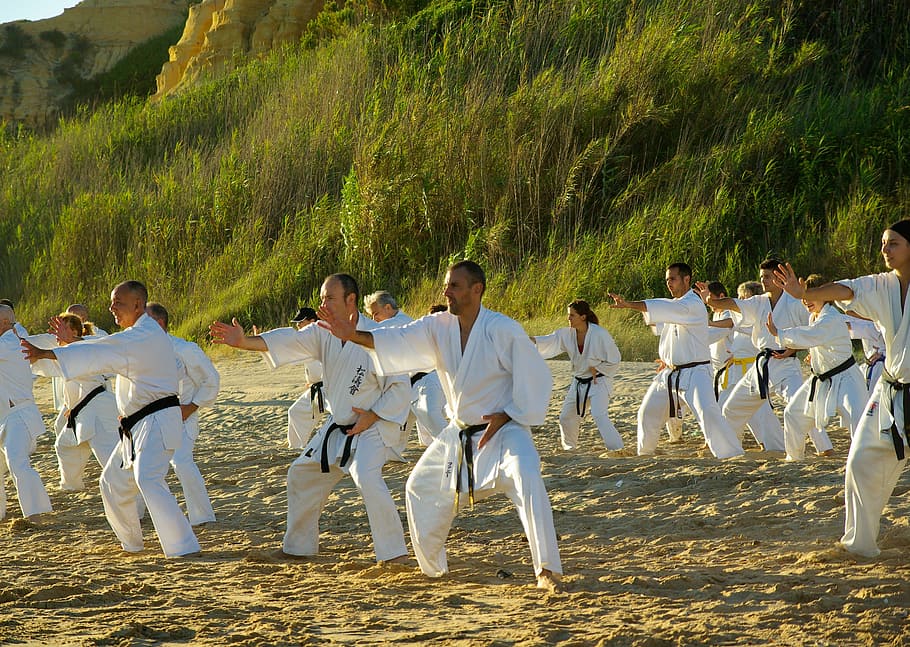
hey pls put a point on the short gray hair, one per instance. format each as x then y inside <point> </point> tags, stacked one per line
<point>381,298</point>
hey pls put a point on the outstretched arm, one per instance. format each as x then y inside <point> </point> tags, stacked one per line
<point>33,353</point>
<point>619,302</point>
<point>233,335</point>
<point>344,328</point>
<point>785,278</point>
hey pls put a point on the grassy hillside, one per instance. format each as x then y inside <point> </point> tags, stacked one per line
<point>573,147</point>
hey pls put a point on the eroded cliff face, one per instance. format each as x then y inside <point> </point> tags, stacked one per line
<point>43,61</point>
<point>219,30</point>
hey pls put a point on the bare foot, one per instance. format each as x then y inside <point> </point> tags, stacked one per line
<point>827,452</point>
<point>550,581</point>
<point>401,559</point>
<point>280,554</point>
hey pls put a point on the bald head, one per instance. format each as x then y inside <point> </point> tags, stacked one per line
<point>7,318</point>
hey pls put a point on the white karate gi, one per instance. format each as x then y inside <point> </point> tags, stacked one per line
<point>350,380</point>
<point>785,375</point>
<point>199,384</point>
<point>600,353</point>
<point>143,359</point>
<point>873,345</point>
<point>302,414</point>
<point>844,394</point>
<point>683,328</point>
<point>764,421</point>
<point>57,383</point>
<point>20,426</point>
<point>428,402</point>
<point>872,465</point>
<point>499,371</point>
<point>96,424</point>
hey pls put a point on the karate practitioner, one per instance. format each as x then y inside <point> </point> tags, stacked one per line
<point>682,323</point>
<point>20,423</point>
<point>595,361</point>
<point>836,386</point>
<point>367,413</point>
<point>87,421</point>
<point>878,453</point>
<point>427,399</point>
<point>742,356</point>
<point>496,386</point>
<point>198,386</point>
<point>302,414</point>
<point>151,428</point>
<point>57,385</point>
<point>776,370</point>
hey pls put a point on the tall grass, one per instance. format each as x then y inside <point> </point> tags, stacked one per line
<point>573,147</point>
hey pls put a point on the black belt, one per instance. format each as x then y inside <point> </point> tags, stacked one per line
<point>464,437</point>
<point>717,377</point>
<point>870,366</point>
<point>75,411</point>
<point>316,392</point>
<point>827,375</point>
<point>675,409</point>
<point>346,452</point>
<point>128,422</point>
<point>904,388</point>
<point>417,377</point>
<point>761,370</point>
<point>581,403</point>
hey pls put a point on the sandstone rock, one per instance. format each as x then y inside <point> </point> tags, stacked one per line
<point>83,42</point>
<point>219,30</point>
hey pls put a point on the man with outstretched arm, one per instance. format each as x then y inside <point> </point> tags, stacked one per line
<point>497,386</point>
<point>360,436</point>
<point>878,453</point>
<point>151,428</point>
<point>686,376</point>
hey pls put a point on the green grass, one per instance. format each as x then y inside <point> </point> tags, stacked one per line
<point>573,147</point>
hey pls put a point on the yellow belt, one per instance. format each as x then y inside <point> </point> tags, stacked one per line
<point>743,363</point>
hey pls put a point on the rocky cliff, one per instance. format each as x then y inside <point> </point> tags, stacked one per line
<point>218,30</point>
<point>44,62</point>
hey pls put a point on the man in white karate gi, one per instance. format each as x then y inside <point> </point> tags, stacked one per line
<point>682,323</point>
<point>20,423</point>
<point>427,399</point>
<point>302,414</point>
<point>776,370</point>
<point>198,387</point>
<point>878,453</point>
<point>151,429</point>
<point>362,434</point>
<point>497,386</point>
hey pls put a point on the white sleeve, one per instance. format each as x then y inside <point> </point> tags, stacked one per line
<point>286,345</point>
<point>675,311</point>
<point>532,382</point>
<point>549,346</point>
<point>407,349</point>
<point>97,356</point>
<point>204,375</point>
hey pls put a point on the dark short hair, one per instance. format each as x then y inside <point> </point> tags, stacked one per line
<point>716,288</point>
<point>682,268</point>
<point>770,264</point>
<point>348,284</point>
<point>136,288</point>
<point>6,302</point>
<point>584,309</point>
<point>475,272</point>
<point>158,311</point>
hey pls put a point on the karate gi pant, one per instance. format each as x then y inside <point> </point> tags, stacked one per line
<point>598,401</point>
<point>764,421</point>
<point>696,390</point>
<point>19,433</point>
<point>428,406</point>
<point>309,488</point>
<point>146,477</point>
<point>73,455</point>
<point>785,379</point>
<point>798,424</point>
<point>513,464</point>
<point>300,421</point>
<point>872,472</point>
<point>198,506</point>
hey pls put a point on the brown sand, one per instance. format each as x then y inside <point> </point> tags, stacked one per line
<point>678,549</point>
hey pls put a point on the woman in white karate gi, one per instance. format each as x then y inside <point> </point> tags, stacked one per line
<point>595,360</point>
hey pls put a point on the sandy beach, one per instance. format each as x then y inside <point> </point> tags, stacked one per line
<point>677,549</point>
